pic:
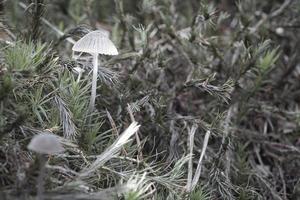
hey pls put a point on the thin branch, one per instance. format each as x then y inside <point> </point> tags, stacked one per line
<point>138,141</point>
<point>270,16</point>
<point>190,164</point>
<point>198,170</point>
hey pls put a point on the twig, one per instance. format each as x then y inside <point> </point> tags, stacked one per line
<point>112,123</point>
<point>283,182</point>
<point>277,12</point>
<point>190,164</point>
<point>198,170</point>
<point>138,141</point>
<point>270,16</point>
<point>114,128</point>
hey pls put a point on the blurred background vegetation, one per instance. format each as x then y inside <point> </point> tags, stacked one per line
<point>213,84</point>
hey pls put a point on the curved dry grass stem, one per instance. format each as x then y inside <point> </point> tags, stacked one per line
<point>191,134</point>
<point>111,151</point>
<point>198,170</point>
<point>138,141</point>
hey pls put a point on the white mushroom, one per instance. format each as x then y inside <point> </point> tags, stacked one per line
<point>44,144</point>
<point>95,43</point>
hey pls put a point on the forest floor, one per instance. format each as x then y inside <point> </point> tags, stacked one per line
<point>193,99</point>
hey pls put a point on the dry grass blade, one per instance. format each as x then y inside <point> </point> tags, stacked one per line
<point>112,123</point>
<point>112,150</point>
<point>114,128</point>
<point>190,163</point>
<point>198,170</point>
<point>138,141</point>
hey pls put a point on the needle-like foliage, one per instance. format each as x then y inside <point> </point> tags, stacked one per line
<point>202,101</point>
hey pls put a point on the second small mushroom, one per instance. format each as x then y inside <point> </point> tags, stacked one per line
<point>44,144</point>
<point>94,43</point>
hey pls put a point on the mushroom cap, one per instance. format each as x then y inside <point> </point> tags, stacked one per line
<point>45,144</point>
<point>95,42</point>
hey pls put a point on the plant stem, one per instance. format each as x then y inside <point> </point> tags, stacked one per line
<point>94,82</point>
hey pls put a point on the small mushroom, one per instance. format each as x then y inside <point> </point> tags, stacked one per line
<point>94,43</point>
<point>44,144</point>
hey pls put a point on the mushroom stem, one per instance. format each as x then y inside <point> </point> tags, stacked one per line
<point>41,177</point>
<point>94,82</point>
